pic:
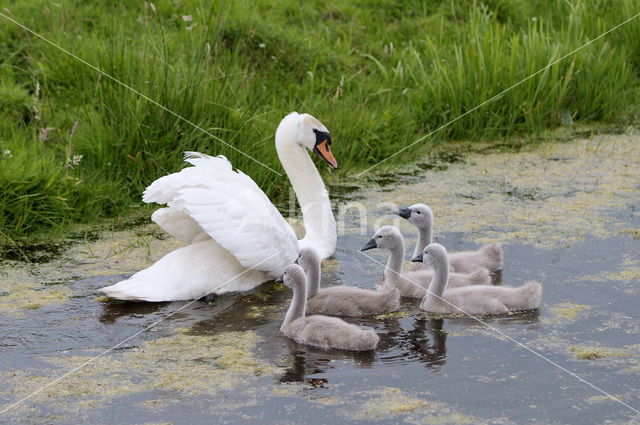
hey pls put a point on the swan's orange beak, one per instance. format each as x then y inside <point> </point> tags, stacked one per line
<point>324,151</point>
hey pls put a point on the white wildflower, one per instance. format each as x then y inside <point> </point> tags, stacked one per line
<point>262,45</point>
<point>153,7</point>
<point>36,115</point>
<point>187,18</point>
<point>37,91</point>
<point>73,161</point>
<point>7,153</point>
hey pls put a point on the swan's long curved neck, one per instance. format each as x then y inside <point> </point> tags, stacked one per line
<point>440,279</point>
<point>298,303</point>
<point>425,237</point>
<point>393,269</point>
<point>319,224</point>
<point>313,278</point>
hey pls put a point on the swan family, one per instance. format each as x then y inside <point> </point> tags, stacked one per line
<point>235,239</point>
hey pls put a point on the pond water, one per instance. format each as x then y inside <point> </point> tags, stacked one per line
<point>567,214</point>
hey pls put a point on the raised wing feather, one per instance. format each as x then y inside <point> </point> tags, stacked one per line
<point>230,208</point>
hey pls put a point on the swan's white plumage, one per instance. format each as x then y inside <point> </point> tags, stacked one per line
<point>231,209</point>
<point>179,225</point>
<point>236,239</point>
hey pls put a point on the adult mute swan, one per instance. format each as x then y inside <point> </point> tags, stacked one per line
<point>413,284</point>
<point>236,238</point>
<point>317,330</point>
<point>479,299</point>
<point>347,301</point>
<point>488,256</point>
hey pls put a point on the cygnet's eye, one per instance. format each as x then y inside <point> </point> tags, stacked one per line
<point>417,212</point>
<point>379,236</point>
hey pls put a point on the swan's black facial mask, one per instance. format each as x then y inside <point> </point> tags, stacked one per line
<point>322,147</point>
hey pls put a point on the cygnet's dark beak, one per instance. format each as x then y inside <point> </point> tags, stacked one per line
<point>404,212</point>
<point>369,245</point>
<point>417,259</point>
<point>280,280</point>
<point>296,261</point>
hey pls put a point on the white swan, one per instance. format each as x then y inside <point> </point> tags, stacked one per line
<point>320,331</point>
<point>489,256</point>
<point>347,301</point>
<point>472,299</point>
<point>414,284</point>
<point>236,238</point>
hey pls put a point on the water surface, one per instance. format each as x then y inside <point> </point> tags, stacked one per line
<point>567,215</point>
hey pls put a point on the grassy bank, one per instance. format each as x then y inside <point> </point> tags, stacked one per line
<point>76,147</point>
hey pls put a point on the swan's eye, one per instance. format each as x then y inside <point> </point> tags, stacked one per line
<point>417,212</point>
<point>315,130</point>
<point>379,237</point>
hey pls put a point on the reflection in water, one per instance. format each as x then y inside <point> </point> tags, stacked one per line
<point>425,342</point>
<point>113,310</point>
<point>308,361</point>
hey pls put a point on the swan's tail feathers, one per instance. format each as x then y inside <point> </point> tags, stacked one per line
<point>480,277</point>
<point>136,290</point>
<point>367,340</point>
<point>494,254</point>
<point>531,293</point>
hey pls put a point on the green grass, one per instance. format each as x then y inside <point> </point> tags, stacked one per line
<point>378,73</point>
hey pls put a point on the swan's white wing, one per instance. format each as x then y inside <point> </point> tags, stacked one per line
<point>179,225</point>
<point>230,208</point>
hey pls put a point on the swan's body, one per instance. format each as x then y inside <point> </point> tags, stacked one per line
<point>317,330</point>
<point>472,299</point>
<point>413,284</point>
<point>236,238</point>
<point>488,256</point>
<point>345,301</point>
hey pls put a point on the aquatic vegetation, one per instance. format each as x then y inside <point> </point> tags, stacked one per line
<point>581,192</point>
<point>568,310</point>
<point>15,297</point>
<point>593,353</point>
<point>391,402</point>
<point>187,364</point>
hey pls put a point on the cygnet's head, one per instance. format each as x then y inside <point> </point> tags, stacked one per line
<point>306,131</point>
<point>308,258</point>
<point>387,237</point>
<point>432,255</point>
<point>293,275</point>
<point>419,215</point>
